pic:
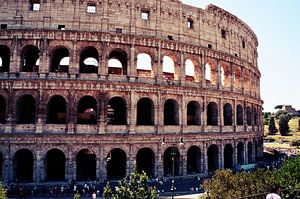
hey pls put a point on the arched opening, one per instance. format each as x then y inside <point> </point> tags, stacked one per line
<point>143,65</point>
<point>116,111</point>
<point>222,77</point>
<point>168,68</point>
<point>85,165</point>
<point>240,153</point>
<point>116,164</point>
<point>4,58</point>
<point>227,114</point>
<point>60,60</point>
<point>117,63</point>
<point>249,116</point>
<point>26,107</point>
<point>194,160</point>
<point>212,158</point>
<point>239,115</point>
<point>171,161</point>
<point>57,110</point>
<point>255,116</point>
<point>87,110</point>
<point>2,109</point>
<point>1,165</point>
<point>250,152</point>
<point>171,115</point>
<point>228,156</point>
<point>246,81</point>
<point>30,59</point>
<point>189,70</point>
<point>55,165</point>
<point>193,113</point>
<point>207,73</point>
<point>212,114</point>
<point>23,165</point>
<point>255,150</point>
<point>237,78</point>
<point>145,112</point>
<point>145,161</point>
<point>88,62</point>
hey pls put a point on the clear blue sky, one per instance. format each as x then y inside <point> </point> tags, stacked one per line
<point>277,26</point>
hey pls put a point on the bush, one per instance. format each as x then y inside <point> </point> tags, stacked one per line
<point>284,128</point>
<point>295,143</point>
<point>272,128</point>
<point>2,192</point>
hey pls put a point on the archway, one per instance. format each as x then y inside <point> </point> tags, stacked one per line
<point>30,59</point>
<point>26,110</point>
<point>240,153</point>
<point>60,60</point>
<point>194,160</point>
<point>145,161</point>
<point>171,161</point>
<point>249,116</point>
<point>89,60</point>
<point>228,156</point>
<point>87,110</point>
<point>171,115</point>
<point>23,165</point>
<point>193,113</point>
<point>189,70</point>
<point>55,165</point>
<point>85,165</point>
<point>116,164</point>
<point>57,110</point>
<point>4,58</point>
<point>168,66</point>
<point>116,111</point>
<point>239,115</point>
<point>2,109</point>
<point>212,114</point>
<point>227,114</point>
<point>213,158</point>
<point>117,63</point>
<point>145,112</point>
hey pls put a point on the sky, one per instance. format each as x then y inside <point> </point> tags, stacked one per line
<point>277,26</point>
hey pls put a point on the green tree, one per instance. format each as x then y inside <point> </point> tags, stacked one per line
<point>284,127</point>
<point>2,192</point>
<point>279,113</point>
<point>272,128</point>
<point>133,186</point>
<point>77,195</point>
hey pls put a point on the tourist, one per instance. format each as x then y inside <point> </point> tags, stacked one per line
<point>275,193</point>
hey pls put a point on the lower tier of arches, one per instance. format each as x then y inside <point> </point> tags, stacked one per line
<point>33,158</point>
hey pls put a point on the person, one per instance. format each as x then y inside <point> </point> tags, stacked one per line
<point>275,193</point>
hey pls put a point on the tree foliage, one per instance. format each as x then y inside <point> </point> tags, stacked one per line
<point>284,127</point>
<point>2,192</point>
<point>133,186</point>
<point>272,128</point>
<point>279,113</point>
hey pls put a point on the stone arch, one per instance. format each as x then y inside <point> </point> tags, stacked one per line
<point>30,59</point>
<point>57,110</point>
<point>193,113</point>
<point>212,114</point>
<point>239,115</point>
<point>168,68</point>
<point>246,80</point>
<point>4,58</point>
<point>193,160</point>
<point>250,152</point>
<point>26,109</point>
<point>60,60</point>
<point>144,65</point>
<point>23,165</point>
<point>117,111</point>
<point>240,153</point>
<point>116,164</point>
<point>207,73</point>
<point>249,116</point>
<point>87,110</point>
<point>228,156</point>
<point>86,165</point>
<point>212,157</point>
<point>55,162</point>
<point>225,74</point>
<point>171,161</point>
<point>227,114</point>
<point>2,110</point>
<point>171,112</point>
<point>237,77</point>
<point>89,60</point>
<point>117,63</point>
<point>189,70</point>
<point>145,112</point>
<point>145,161</point>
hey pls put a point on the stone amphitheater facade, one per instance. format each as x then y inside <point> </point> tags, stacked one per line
<point>88,89</point>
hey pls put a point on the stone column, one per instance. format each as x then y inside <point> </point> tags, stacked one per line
<point>204,115</point>
<point>204,155</point>
<point>71,112</point>
<point>159,114</point>
<point>41,113</point>
<point>132,112</point>
<point>102,99</point>
<point>231,77</point>
<point>159,65</point>
<point>218,78</point>
<point>221,115</point>
<point>221,158</point>
<point>246,153</point>
<point>200,69</point>
<point>39,174</point>
<point>234,154</point>
<point>15,58</point>
<point>181,76</point>
<point>243,79</point>
<point>234,112</point>
<point>131,70</point>
<point>74,62</point>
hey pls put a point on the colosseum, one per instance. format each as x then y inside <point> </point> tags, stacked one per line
<point>91,89</point>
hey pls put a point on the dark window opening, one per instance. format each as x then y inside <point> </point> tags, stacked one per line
<point>193,113</point>
<point>26,107</point>
<point>209,46</point>
<point>213,158</point>
<point>235,54</point>
<point>255,116</point>
<point>60,60</point>
<point>116,111</point>
<point>227,114</point>
<point>3,26</point>
<point>30,59</point>
<point>145,161</point>
<point>119,30</point>
<point>89,60</point>
<point>171,161</point>
<point>228,156</point>
<point>212,114</point>
<point>55,165</point>
<point>4,58</point>
<point>170,37</point>
<point>86,165</point>
<point>190,24</point>
<point>116,164</point>
<point>23,166</point>
<point>61,27</point>
<point>57,110</point>
<point>239,115</point>
<point>193,160</point>
<point>2,110</point>
<point>243,44</point>
<point>240,153</point>
<point>171,115</point>
<point>249,116</point>
<point>145,112</point>
<point>117,63</point>
<point>87,111</point>
<point>223,33</point>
